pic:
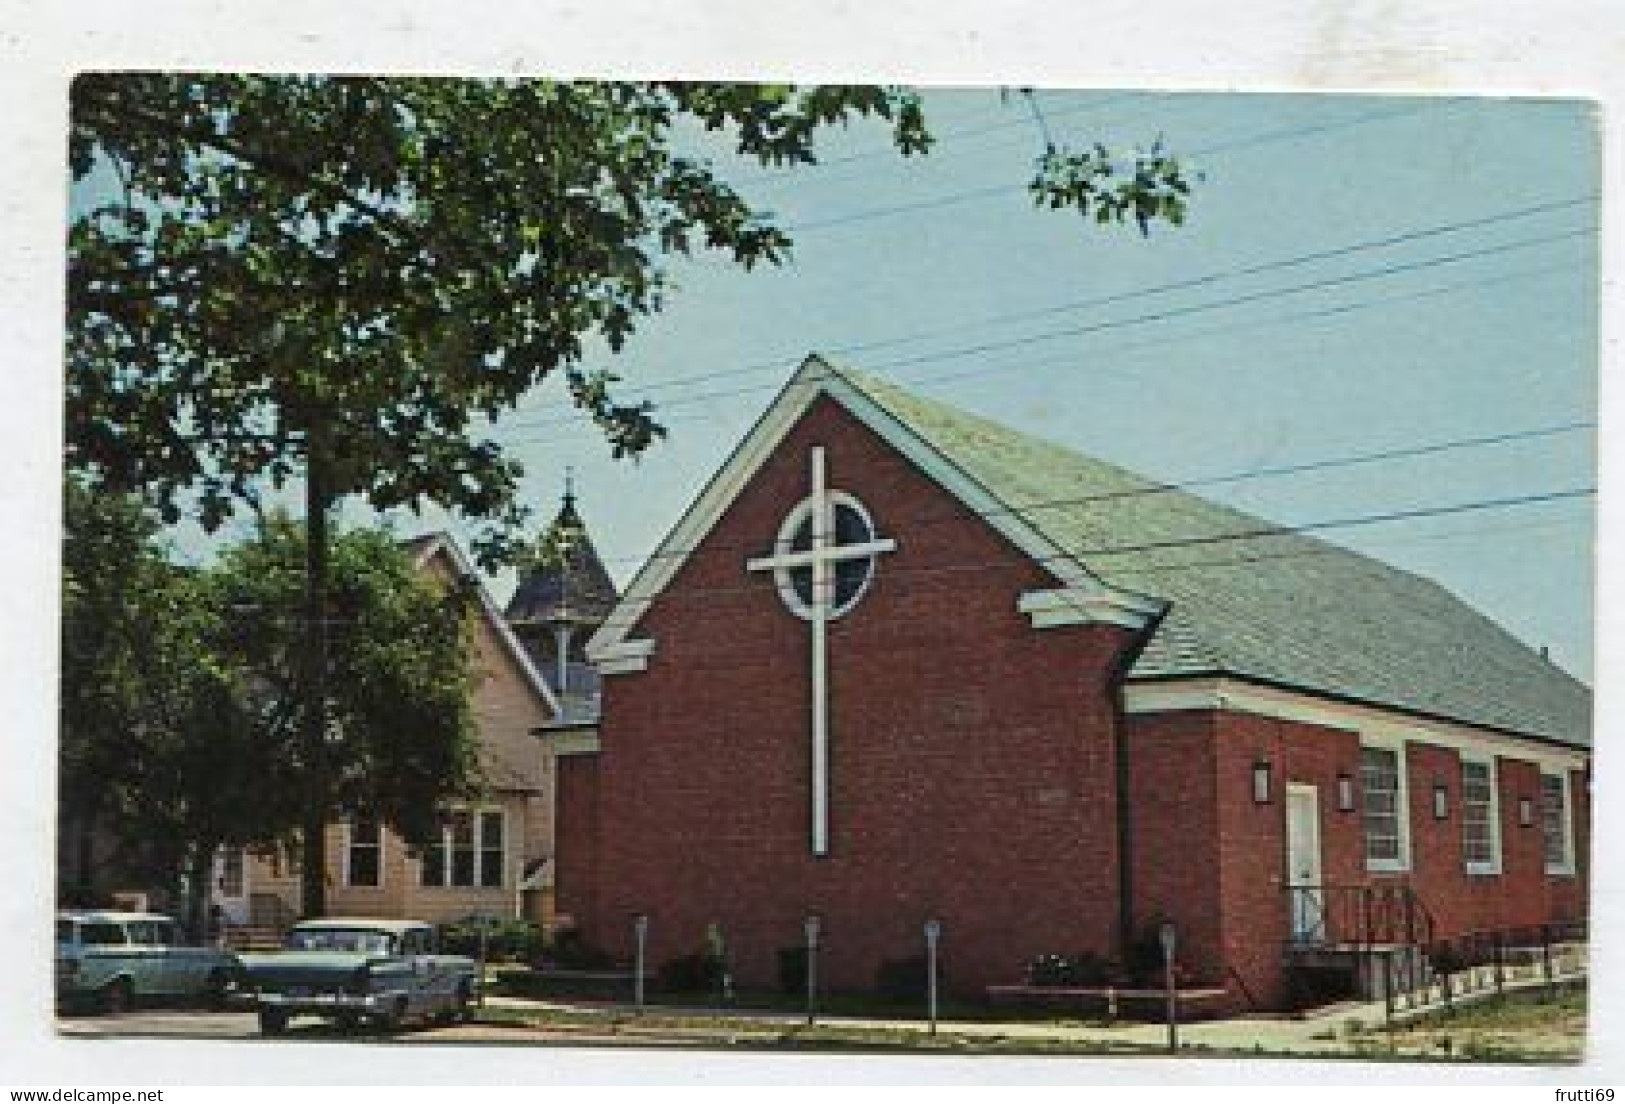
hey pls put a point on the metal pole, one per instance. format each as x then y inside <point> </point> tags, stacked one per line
<point>933,932</point>
<point>640,927</point>
<point>1169,938</point>
<point>810,927</point>
<point>485,925</point>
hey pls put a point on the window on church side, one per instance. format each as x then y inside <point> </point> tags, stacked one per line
<point>363,849</point>
<point>1554,824</point>
<point>1480,835</point>
<point>1383,808</point>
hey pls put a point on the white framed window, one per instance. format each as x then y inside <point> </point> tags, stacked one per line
<point>1480,817</point>
<point>1556,824</point>
<point>363,851</point>
<point>849,578</point>
<point>471,850</point>
<point>1385,807</point>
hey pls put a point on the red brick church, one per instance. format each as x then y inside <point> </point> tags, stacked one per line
<point>900,663</point>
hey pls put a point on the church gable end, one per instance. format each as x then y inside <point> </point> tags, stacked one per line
<point>946,713</point>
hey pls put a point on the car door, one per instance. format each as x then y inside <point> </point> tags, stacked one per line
<point>425,981</point>
<point>145,954</point>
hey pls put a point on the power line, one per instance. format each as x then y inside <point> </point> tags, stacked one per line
<point>975,194</point>
<point>1268,532</point>
<point>1187,283</point>
<point>1183,486</point>
<point>1147,317</point>
<point>808,174</point>
<point>938,379</point>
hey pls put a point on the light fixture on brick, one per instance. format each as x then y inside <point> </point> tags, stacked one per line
<point>1345,793</point>
<point>1441,801</point>
<point>1526,812</point>
<point>1261,782</point>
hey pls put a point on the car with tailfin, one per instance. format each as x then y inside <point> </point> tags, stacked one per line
<point>358,971</point>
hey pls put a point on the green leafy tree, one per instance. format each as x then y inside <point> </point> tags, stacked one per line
<point>399,736</point>
<point>159,751</point>
<point>183,692</point>
<point>366,272</point>
<point>350,279</point>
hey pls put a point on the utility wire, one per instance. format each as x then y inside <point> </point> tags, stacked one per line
<point>972,195</point>
<point>938,379</point>
<point>1316,547</point>
<point>1206,279</point>
<point>1045,336</point>
<point>1152,489</point>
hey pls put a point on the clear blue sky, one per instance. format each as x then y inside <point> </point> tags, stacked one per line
<point>938,273</point>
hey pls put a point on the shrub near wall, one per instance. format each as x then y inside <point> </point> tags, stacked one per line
<point>505,941</point>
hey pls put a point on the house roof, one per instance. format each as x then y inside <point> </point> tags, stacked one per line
<point>1246,598</point>
<point>568,583</point>
<point>423,548</point>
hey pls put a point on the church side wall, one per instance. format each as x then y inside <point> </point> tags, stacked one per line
<point>972,759</point>
<point>1175,836</point>
<point>1252,843</point>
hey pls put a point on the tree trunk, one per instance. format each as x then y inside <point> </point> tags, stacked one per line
<point>199,882</point>
<point>313,864</point>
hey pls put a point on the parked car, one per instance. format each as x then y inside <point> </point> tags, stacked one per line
<point>113,959</point>
<point>358,970</point>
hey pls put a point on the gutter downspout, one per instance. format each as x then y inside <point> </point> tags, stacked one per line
<point>1120,756</point>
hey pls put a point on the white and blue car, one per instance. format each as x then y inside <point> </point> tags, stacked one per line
<point>358,970</point>
<point>114,959</point>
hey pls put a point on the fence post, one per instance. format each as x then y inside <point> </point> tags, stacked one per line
<point>1500,961</point>
<point>1388,989</point>
<point>1546,959</point>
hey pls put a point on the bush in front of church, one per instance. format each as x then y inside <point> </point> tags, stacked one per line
<point>905,979</point>
<point>692,973</point>
<point>1079,971</point>
<point>792,970</point>
<point>505,940</point>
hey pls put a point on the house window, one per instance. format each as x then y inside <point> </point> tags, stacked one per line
<point>1554,823</point>
<point>491,848</point>
<point>231,871</point>
<point>1480,818</point>
<point>468,852</point>
<point>362,851</point>
<point>1383,790</point>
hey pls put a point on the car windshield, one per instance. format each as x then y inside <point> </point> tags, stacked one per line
<point>64,931</point>
<point>354,940</point>
<point>101,935</point>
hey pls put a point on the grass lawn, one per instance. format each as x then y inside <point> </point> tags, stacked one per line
<point>1524,1025</point>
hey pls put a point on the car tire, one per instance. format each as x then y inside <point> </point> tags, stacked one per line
<point>464,1012</point>
<point>217,991</point>
<point>118,996</point>
<point>347,1022</point>
<point>273,1021</point>
<point>391,1019</point>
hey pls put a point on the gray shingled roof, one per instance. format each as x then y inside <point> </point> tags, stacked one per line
<point>1279,607</point>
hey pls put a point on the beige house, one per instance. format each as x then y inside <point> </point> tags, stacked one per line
<point>494,858</point>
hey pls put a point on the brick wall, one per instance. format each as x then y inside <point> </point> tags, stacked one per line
<point>971,756</point>
<point>1252,841</point>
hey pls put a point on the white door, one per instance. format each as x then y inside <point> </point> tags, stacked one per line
<point>231,884</point>
<point>1303,863</point>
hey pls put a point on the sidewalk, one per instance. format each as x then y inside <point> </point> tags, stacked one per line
<point>1335,1030</point>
